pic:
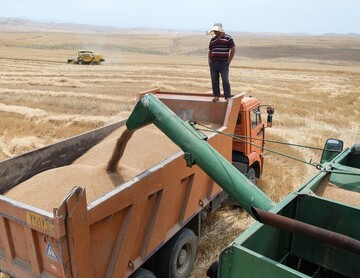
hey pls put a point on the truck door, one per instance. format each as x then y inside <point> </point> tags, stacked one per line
<point>256,131</point>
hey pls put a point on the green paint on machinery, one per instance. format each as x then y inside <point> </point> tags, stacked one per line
<point>197,151</point>
<point>307,234</point>
<point>268,251</point>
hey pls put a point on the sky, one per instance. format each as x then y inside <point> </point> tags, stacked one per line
<point>274,16</point>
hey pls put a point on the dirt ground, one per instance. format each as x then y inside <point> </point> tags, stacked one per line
<point>312,81</point>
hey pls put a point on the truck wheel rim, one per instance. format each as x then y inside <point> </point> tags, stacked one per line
<point>183,259</point>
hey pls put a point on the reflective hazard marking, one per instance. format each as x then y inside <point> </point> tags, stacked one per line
<point>50,253</point>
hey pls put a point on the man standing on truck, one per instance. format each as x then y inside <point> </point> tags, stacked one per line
<point>221,52</point>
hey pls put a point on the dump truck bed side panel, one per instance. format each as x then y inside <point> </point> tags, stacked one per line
<point>140,216</point>
<point>20,168</point>
<point>121,229</point>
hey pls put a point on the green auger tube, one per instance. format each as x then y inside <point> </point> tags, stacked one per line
<point>150,109</point>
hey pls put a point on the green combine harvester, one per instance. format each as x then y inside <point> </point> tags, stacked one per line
<point>313,232</point>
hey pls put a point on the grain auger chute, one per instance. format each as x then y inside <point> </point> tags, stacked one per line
<point>313,232</point>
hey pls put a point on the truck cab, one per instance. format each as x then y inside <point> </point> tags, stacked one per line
<point>248,142</point>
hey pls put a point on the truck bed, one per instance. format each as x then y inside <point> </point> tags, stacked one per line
<point>114,233</point>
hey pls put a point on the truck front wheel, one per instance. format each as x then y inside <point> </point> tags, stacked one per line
<point>251,175</point>
<point>177,256</point>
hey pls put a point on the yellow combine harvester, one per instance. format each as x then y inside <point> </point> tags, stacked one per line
<point>85,57</point>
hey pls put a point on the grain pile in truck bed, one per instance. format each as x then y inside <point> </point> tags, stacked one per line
<point>335,193</point>
<point>147,147</point>
<point>47,189</point>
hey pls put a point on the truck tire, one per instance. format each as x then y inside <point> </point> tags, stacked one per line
<point>142,273</point>
<point>251,175</point>
<point>177,256</point>
<point>212,271</point>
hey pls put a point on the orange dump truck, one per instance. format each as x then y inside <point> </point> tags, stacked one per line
<point>147,225</point>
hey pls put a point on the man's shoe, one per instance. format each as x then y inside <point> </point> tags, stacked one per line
<point>215,99</point>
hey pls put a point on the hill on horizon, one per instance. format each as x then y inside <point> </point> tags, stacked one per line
<point>31,25</point>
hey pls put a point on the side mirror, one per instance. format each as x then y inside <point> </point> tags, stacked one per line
<point>269,120</point>
<point>270,110</point>
<point>331,149</point>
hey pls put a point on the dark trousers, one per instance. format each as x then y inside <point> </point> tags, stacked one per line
<point>217,69</point>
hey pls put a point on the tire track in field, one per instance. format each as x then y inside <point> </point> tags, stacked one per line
<point>11,146</point>
<point>41,116</point>
<point>72,94</point>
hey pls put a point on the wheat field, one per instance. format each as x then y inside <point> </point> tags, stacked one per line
<point>313,82</point>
